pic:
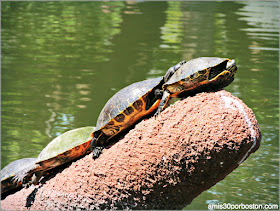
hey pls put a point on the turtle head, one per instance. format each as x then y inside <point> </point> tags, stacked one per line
<point>222,74</point>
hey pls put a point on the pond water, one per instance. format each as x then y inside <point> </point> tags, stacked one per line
<point>61,62</point>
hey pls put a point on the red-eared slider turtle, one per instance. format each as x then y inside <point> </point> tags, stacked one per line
<point>8,173</point>
<point>127,107</point>
<point>64,148</point>
<point>197,75</point>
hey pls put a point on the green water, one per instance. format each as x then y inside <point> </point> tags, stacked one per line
<point>61,62</point>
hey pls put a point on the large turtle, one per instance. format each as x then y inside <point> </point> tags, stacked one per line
<point>64,148</point>
<point>127,107</point>
<point>8,173</point>
<point>197,75</point>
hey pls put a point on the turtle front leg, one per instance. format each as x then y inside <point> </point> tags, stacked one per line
<point>24,176</point>
<point>36,177</point>
<point>26,181</point>
<point>32,180</point>
<point>96,150</point>
<point>172,70</point>
<point>163,103</point>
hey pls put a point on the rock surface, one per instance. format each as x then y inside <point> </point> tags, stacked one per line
<point>162,163</point>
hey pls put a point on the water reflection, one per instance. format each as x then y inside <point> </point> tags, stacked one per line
<point>257,84</point>
<point>49,50</point>
<point>172,31</point>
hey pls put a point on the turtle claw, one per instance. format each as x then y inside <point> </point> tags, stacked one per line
<point>27,185</point>
<point>157,113</point>
<point>96,152</point>
<point>163,103</point>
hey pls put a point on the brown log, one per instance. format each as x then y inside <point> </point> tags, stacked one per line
<point>163,163</point>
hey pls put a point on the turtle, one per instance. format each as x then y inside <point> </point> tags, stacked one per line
<point>64,148</point>
<point>198,75</point>
<point>8,173</point>
<point>127,107</point>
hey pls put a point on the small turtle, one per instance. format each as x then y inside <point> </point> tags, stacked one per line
<point>127,107</point>
<point>8,173</point>
<point>64,148</point>
<point>198,75</point>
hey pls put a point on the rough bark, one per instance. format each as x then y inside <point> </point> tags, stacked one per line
<point>163,163</point>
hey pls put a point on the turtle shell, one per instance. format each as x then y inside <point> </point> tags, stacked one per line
<point>66,147</point>
<point>9,171</point>
<point>194,66</point>
<point>201,74</point>
<point>128,106</point>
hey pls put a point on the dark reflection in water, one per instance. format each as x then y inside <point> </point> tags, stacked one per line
<point>61,62</point>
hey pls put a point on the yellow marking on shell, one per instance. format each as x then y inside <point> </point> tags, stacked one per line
<point>118,110</point>
<point>130,119</point>
<point>109,116</point>
<point>197,75</point>
<point>207,73</point>
<point>186,85</point>
<point>229,73</point>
